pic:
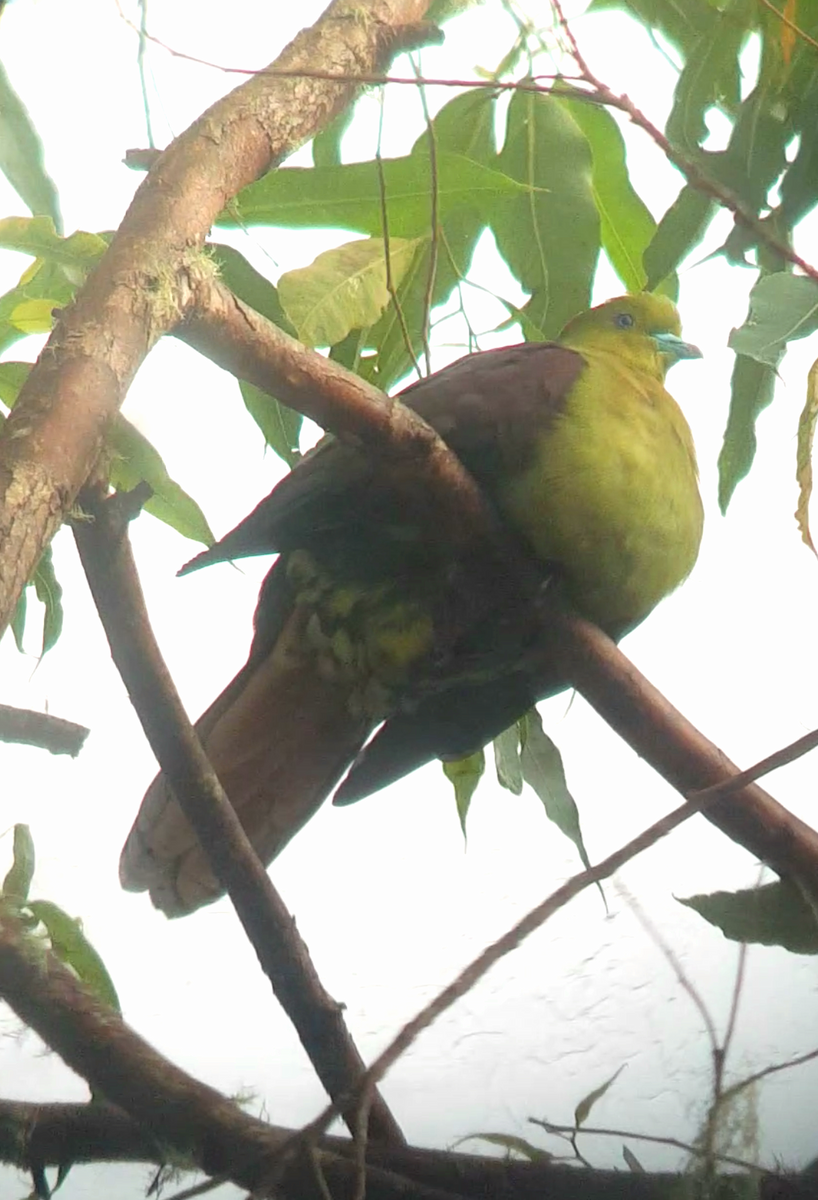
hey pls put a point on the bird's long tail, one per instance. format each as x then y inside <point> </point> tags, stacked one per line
<point>279,737</point>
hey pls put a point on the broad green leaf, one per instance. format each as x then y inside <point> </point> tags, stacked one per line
<point>249,284</point>
<point>783,308</point>
<point>72,947</point>
<point>49,593</point>
<point>757,152</point>
<point>583,1109</point>
<point>18,878</point>
<point>464,774</point>
<point>12,377</point>
<point>21,155</point>
<point>279,424</point>
<point>550,235</point>
<point>465,125</point>
<point>507,760</point>
<point>752,387</point>
<point>343,289</point>
<point>711,76</point>
<point>627,227</point>
<point>350,196</point>
<point>135,460</point>
<point>543,771</point>
<point>680,230</point>
<point>38,237</point>
<point>803,470</point>
<point>33,316</point>
<point>774,915</point>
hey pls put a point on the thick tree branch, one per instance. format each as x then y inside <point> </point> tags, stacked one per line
<point>28,728</point>
<point>107,558</point>
<point>52,438</point>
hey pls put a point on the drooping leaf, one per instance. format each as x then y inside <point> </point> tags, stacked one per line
<point>507,760</point>
<point>49,592</point>
<point>18,621</point>
<point>249,284</point>
<point>326,145</point>
<point>349,196</point>
<point>543,771</point>
<point>18,878</point>
<point>774,915</point>
<point>783,308</point>
<point>627,227</point>
<point>279,424</point>
<point>135,460</point>
<point>550,235</point>
<point>465,125</point>
<point>21,155</point>
<point>464,774</point>
<point>752,387</point>
<point>344,288</point>
<point>803,469</point>
<point>72,947</point>
<point>680,230</point>
<point>583,1109</point>
<point>510,1142</point>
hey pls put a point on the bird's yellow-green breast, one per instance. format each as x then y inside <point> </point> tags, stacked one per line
<point>611,494</point>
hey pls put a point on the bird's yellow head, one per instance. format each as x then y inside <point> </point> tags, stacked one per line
<point>644,330</point>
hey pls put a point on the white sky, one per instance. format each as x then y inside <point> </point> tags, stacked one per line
<point>388,901</point>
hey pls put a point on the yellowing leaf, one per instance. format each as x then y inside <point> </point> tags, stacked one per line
<point>803,471</point>
<point>33,316</point>
<point>343,289</point>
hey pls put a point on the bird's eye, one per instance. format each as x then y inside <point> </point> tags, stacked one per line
<point>624,320</point>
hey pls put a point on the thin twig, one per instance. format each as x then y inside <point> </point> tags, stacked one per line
<point>390,281</point>
<point>656,1139</point>
<point>108,562</point>
<point>785,20</point>
<point>434,222</point>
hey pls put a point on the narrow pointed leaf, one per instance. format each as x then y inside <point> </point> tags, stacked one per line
<point>18,878</point>
<point>21,155</point>
<point>803,472</point>
<point>680,230</point>
<point>752,387</point>
<point>464,774</point>
<point>583,1109</point>
<point>279,424</point>
<point>249,284</point>
<point>543,771</point>
<point>507,760</point>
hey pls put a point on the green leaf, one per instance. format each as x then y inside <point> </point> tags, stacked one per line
<point>507,760</point>
<point>249,284</point>
<point>543,771</point>
<point>464,774</point>
<point>711,77</point>
<point>38,237</point>
<point>752,387</point>
<point>583,1109</point>
<point>49,593</point>
<point>18,878</point>
<point>280,425</point>
<point>465,125</point>
<point>349,196</point>
<point>774,915</point>
<point>627,227</point>
<point>135,460</point>
<point>550,235</point>
<point>21,155</point>
<point>72,947</point>
<point>12,377</point>
<point>783,308</point>
<point>326,145</point>
<point>680,230</point>
<point>682,24</point>
<point>18,621</point>
<point>343,289</point>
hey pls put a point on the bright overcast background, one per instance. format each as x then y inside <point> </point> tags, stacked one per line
<point>390,902</point>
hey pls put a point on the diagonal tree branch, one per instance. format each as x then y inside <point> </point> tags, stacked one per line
<point>107,558</point>
<point>54,435</point>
